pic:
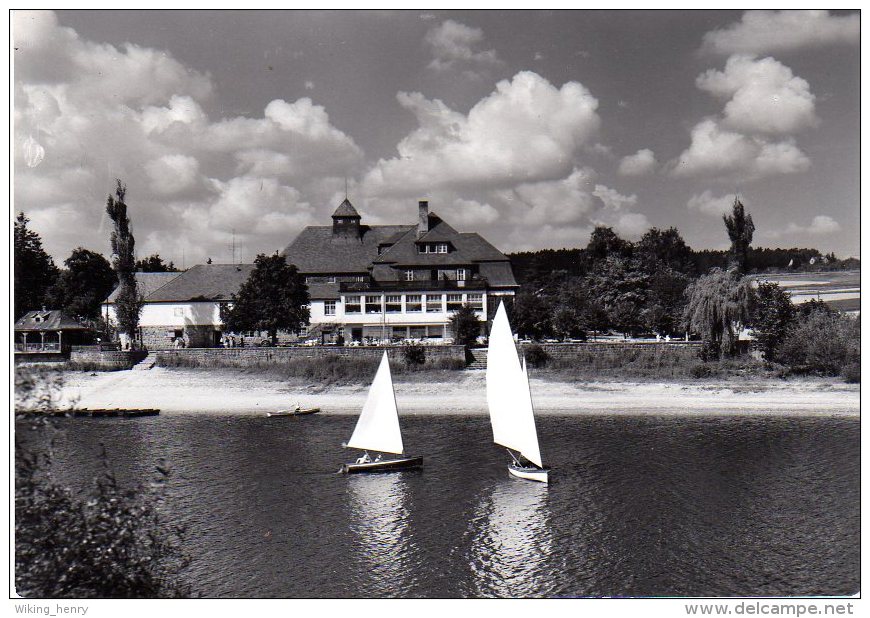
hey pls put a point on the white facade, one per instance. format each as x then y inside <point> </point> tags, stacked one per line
<point>173,315</point>
<point>386,314</point>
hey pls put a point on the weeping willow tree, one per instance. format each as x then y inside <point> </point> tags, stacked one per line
<point>718,304</point>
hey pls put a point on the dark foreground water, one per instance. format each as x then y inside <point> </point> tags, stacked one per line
<point>638,506</point>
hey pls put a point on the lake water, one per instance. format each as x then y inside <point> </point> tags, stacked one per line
<point>637,506</point>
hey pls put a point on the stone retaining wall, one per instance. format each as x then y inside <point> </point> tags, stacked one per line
<point>105,359</point>
<point>247,356</point>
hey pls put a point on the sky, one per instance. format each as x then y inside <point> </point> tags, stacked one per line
<point>239,128</point>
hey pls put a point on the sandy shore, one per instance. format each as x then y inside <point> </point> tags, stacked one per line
<point>185,391</point>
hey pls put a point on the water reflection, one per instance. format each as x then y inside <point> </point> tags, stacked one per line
<point>511,541</point>
<point>383,547</point>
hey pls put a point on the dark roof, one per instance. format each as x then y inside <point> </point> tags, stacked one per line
<point>146,283</point>
<point>204,282</point>
<point>317,250</point>
<point>48,319</point>
<point>323,291</point>
<point>345,209</point>
<point>498,274</point>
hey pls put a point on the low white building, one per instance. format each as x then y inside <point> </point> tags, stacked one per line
<point>184,306</point>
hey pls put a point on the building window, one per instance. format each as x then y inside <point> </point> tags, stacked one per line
<point>352,304</point>
<point>417,332</point>
<point>360,278</point>
<point>373,304</point>
<point>435,332</point>
<point>454,302</point>
<point>413,303</point>
<point>394,304</point>
<point>409,275</point>
<point>329,307</point>
<point>441,247</point>
<point>434,303</point>
<point>476,301</point>
<point>460,274</point>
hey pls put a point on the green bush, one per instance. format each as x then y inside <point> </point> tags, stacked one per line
<point>111,543</point>
<point>536,356</point>
<point>821,342</point>
<point>852,373</point>
<point>414,354</point>
<point>703,370</point>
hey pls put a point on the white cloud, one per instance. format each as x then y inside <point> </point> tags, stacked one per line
<point>765,96</point>
<point>766,105</point>
<point>470,213</point>
<point>612,199</point>
<point>98,112</point>
<point>631,224</point>
<point>821,225</point>
<point>638,164</point>
<point>715,151</point>
<point>761,32</point>
<point>559,201</point>
<point>708,204</point>
<point>173,173</point>
<point>452,46</point>
<point>526,131</point>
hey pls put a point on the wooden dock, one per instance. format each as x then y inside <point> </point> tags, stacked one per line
<point>97,413</point>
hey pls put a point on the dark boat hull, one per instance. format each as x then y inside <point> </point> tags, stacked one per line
<point>385,465</point>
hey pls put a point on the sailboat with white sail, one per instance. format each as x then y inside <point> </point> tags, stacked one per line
<point>378,429</point>
<point>510,402</point>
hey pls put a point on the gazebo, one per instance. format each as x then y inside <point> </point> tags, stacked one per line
<point>49,330</point>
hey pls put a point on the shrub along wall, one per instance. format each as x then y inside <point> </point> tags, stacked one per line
<point>614,354</point>
<point>249,356</point>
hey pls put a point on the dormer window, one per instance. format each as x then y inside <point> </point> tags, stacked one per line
<point>440,247</point>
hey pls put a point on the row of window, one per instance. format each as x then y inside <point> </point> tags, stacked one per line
<point>439,247</point>
<point>413,303</point>
<point>335,278</point>
<point>459,274</point>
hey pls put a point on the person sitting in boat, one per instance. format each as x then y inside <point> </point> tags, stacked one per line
<point>364,459</point>
<point>378,458</point>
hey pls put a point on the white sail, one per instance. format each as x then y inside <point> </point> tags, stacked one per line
<point>508,394</point>
<point>378,426</point>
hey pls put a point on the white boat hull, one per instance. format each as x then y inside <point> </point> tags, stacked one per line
<point>530,474</point>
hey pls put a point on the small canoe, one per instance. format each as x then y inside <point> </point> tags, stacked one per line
<point>384,465</point>
<point>294,412</point>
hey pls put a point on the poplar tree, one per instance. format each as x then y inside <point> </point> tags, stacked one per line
<point>740,229</point>
<point>128,304</point>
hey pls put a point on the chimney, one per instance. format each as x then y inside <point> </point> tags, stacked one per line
<point>423,226</point>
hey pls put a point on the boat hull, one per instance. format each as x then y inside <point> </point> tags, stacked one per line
<point>530,474</point>
<point>385,465</point>
<point>296,412</point>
